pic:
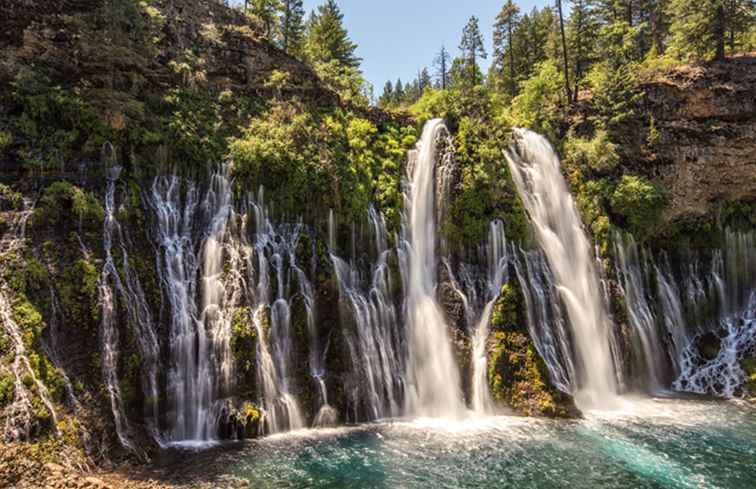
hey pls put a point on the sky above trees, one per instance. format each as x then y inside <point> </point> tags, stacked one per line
<point>396,38</point>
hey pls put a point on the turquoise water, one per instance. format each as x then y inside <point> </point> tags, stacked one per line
<point>650,444</point>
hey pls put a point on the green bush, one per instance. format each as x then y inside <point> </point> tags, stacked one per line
<point>63,200</point>
<point>598,154</point>
<point>538,105</point>
<point>638,201</point>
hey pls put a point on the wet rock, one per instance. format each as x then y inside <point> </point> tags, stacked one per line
<point>708,346</point>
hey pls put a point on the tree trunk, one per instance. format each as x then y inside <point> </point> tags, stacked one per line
<point>564,52</point>
<point>720,32</point>
<point>513,87</point>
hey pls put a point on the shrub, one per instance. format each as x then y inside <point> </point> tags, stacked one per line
<point>638,201</point>
<point>598,154</point>
<point>62,200</point>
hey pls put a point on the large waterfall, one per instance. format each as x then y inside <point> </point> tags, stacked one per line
<point>234,278</point>
<point>433,375</point>
<point>558,229</point>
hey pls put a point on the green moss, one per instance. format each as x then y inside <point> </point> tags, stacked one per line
<point>6,139</point>
<point>517,376</point>
<point>10,199</point>
<point>244,346</point>
<point>505,314</point>
<point>63,200</point>
<point>7,389</point>
<point>77,287</point>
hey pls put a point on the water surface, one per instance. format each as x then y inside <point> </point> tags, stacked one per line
<point>648,444</point>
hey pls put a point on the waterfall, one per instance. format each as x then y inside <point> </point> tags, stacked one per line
<point>544,316</point>
<point>19,415</point>
<point>177,267</point>
<point>138,314</point>
<point>276,251</point>
<point>432,373</point>
<point>633,285</point>
<point>371,330</point>
<point>108,329</point>
<point>496,253</point>
<point>558,229</point>
<point>675,303</point>
<point>326,415</point>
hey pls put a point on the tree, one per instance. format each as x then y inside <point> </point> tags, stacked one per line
<point>387,97</point>
<point>565,65</point>
<point>292,26</point>
<point>398,92</point>
<point>327,38</point>
<point>266,12</point>
<point>698,28</point>
<point>423,80</point>
<point>582,31</point>
<point>472,48</point>
<point>441,63</point>
<point>503,28</point>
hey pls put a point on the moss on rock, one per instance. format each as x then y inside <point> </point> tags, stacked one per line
<point>517,375</point>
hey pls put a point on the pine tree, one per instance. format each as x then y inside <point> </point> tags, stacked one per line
<point>506,23</point>
<point>266,12</point>
<point>565,54</point>
<point>387,97</point>
<point>442,64</point>
<point>292,26</point>
<point>398,92</point>
<point>582,33</point>
<point>472,48</point>
<point>699,28</point>
<point>741,17</point>
<point>424,80</point>
<point>327,38</point>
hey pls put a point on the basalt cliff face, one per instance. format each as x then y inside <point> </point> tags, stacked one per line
<point>706,120</point>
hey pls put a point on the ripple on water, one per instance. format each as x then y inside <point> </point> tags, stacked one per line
<point>649,444</point>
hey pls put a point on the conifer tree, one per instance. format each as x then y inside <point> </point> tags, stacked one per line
<point>472,48</point>
<point>565,55</point>
<point>699,28</point>
<point>266,11</point>
<point>442,66</point>
<point>504,27</point>
<point>582,33</point>
<point>292,26</point>
<point>387,97</point>
<point>327,38</point>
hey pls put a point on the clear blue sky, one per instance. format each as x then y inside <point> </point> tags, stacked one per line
<point>396,38</point>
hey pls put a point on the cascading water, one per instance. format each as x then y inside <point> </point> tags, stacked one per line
<point>545,317</point>
<point>677,304</point>
<point>633,285</point>
<point>372,332</point>
<point>497,260</point>
<point>432,373</point>
<point>108,329</point>
<point>138,316</point>
<point>276,250</point>
<point>558,229</point>
<point>20,413</point>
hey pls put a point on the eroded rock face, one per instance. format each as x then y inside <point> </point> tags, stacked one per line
<point>706,118</point>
